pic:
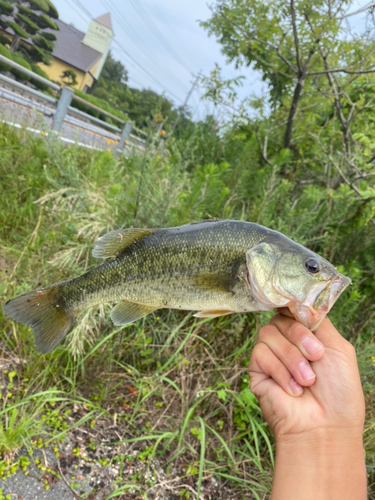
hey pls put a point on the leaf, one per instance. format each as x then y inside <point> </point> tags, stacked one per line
<point>221,394</point>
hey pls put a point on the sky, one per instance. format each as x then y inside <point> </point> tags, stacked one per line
<point>165,39</point>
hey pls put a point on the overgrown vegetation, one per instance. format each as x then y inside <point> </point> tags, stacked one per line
<point>172,387</point>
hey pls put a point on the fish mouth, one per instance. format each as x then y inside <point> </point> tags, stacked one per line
<point>319,302</point>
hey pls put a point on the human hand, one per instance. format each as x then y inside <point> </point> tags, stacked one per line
<point>294,405</point>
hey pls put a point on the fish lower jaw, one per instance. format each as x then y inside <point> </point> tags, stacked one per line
<point>307,315</point>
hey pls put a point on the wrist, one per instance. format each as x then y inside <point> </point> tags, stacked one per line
<point>320,465</point>
<point>320,443</point>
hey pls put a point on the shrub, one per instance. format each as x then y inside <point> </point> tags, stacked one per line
<point>100,103</point>
<point>4,52</point>
<point>40,72</point>
<point>19,59</point>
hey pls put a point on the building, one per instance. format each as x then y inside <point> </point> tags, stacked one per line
<point>83,53</point>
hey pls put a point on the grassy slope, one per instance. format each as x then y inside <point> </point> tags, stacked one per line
<point>177,384</point>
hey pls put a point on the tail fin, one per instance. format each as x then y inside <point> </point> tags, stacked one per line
<point>46,312</point>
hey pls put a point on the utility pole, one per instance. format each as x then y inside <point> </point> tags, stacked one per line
<point>186,101</point>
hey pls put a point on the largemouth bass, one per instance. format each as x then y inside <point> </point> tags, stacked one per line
<point>214,267</point>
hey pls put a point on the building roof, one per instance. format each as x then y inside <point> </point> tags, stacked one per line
<point>70,49</point>
<point>105,20</point>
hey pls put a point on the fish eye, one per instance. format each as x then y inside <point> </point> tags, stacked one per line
<point>312,266</point>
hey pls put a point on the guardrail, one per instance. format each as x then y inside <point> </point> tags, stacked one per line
<point>63,105</point>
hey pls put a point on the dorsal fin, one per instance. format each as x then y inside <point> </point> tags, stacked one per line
<point>114,242</point>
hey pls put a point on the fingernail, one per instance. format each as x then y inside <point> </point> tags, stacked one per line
<point>311,345</point>
<point>306,371</point>
<point>296,388</point>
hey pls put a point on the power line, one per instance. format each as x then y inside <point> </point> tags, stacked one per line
<point>83,8</point>
<point>159,35</point>
<point>145,71</point>
<point>182,109</point>
<point>129,55</point>
<point>126,28</point>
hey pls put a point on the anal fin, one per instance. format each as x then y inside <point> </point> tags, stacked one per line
<point>128,312</point>
<point>214,313</point>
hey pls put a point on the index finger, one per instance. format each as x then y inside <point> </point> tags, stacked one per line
<point>299,335</point>
<point>326,333</point>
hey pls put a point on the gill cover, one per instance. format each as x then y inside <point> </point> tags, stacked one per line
<point>261,265</point>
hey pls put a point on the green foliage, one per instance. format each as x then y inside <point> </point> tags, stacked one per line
<point>34,53</point>
<point>29,25</point>
<point>4,52</point>
<point>42,43</point>
<point>36,69</point>
<point>100,103</point>
<point>25,10</point>
<point>5,8</point>
<point>17,29</point>
<point>49,36</point>
<point>69,77</point>
<point>145,108</point>
<point>39,5</point>
<point>19,59</point>
<point>29,18</point>
<point>4,40</point>
<point>48,23</point>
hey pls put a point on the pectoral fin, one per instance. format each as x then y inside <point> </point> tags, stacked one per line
<point>114,242</point>
<point>128,312</point>
<point>213,313</point>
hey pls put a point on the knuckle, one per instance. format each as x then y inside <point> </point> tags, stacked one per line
<point>260,348</point>
<point>290,351</point>
<point>296,330</point>
<point>263,332</point>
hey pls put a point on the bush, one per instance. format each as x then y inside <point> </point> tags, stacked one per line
<point>19,59</point>
<point>40,72</point>
<point>4,52</point>
<point>4,40</point>
<point>100,103</point>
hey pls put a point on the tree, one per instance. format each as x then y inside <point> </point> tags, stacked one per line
<point>69,77</point>
<point>142,106</point>
<point>293,44</point>
<point>321,81</point>
<point>114,71</point>
<point>29,19</point>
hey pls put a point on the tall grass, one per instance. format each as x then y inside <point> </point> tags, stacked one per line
<point>174,383</point>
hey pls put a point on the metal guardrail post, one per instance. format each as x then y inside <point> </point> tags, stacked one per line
<point>62,108</point>
<point>124,135</point>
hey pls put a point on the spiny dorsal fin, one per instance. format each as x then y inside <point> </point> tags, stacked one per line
<point>127,312</point>
<point>213,313</point>
<point>116,241</point>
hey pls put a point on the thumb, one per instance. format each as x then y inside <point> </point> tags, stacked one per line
<point>286,312</point>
